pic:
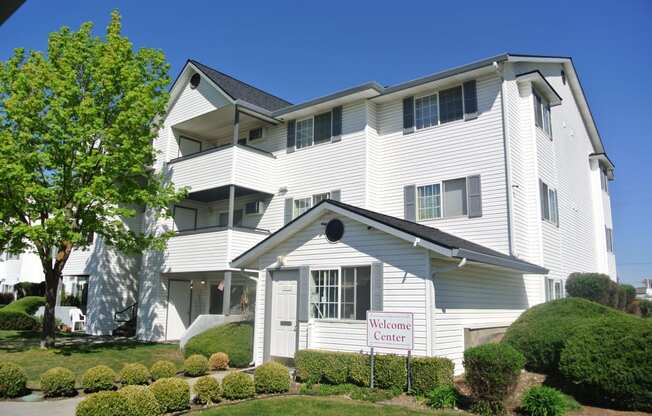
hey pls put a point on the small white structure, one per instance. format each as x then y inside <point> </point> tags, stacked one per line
<point>71,316</point>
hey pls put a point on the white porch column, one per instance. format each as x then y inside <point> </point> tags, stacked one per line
<point>226,299</point>
<point>231,205</point>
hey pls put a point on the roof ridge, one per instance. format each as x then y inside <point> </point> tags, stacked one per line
<point>194,61</point>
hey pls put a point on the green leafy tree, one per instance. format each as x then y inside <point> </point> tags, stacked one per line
<point>76,149</point>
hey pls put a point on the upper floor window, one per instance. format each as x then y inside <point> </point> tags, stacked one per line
<point>609,234</point>
<point>188,146</point>
<point>302,205</point>
<point>320,128</point>
<point>604,180</point>
<point>255,134</point>
<point>433,203</point>
<point>542,113</point>
<point>317,198</point>
<point>554,289</point>
<point>185,218</point>
<point>304,133</point>
<point>427,111</point>
<point>549,204</point>
<point>442,107</point>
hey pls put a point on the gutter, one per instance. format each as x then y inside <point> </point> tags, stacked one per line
<point>499,261</point>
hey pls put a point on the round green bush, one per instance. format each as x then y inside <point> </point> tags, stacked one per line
<point>207,390</point>
<point>104,403</point>
<point>218,361</point>
<point>17,321</point>
<point>610,359</point>
<point>541,332</point>
<point>273,377</point>
<point>163,369</point>
<point>58,381</point>
<point>492,371</point>
<point>140,401</point>
<point>237,386</point>
<point>195,365</point>
<point>13,380</point>
<point>28,305</point>
<point>134,374</point>
<point>543,401</point>
<point>444,396</point>
<point>98,378</point>
<point>390,372</point>
<point>591,286</point>
<point>172,394</point>
<point>234,339</point>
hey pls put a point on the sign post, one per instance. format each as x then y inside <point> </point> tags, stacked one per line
<point>394,330</point>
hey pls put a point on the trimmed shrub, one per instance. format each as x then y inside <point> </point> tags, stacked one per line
<point>98,378</point>
<point>360,370</point>
<point>104,403</point>
<point>488,408</point>
<point>444,396</point>
<point>58,381</point>
<point>543,401</point>
<point>336,368</point>
<point>611,359</point>
<point>24,289</point>
<point>390,372</point>
<point>492,371</point>
<point>645,307</point>
<point>28,305</point>
<point>541,332</point>
<point>351,390</point>
<point>310,365</point>
<point>272,377</point>
<point>218,361</point>
<point>195,365</point>
<point>140,401</point>
<point>163,369</point>
<point>237,386</point>
<point>315,366</point>
<point>429,373</point>
<point>626,295</point>
<point>17,321</point>
<point>597,287</point>
<point>13,380</point>
<point>207,390</point>
<point>134,374</point>
<point>234,339</point>
<point>172,394</point>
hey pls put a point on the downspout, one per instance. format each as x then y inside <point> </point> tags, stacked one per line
<point>508,168</point>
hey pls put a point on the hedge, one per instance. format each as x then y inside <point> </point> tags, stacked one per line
<point>13,380</point>
<point>195,365</point>
<point>645,307</point>
<point>104,403</point>
<point>541,332</point>
<point>390,372</point>
<point>134,374</point>
<point>237,386</point>
<point>28,305</point>
<point>235,339</point>
<point>429,373</point>
<point>98,378</point>
<point>611,358</point>
<point>207,390</point>
<point>492,371</point>
<point>24,289</point>
<point>272,377</point>
<point>17,321</point>
<point>140,401</point>
<point>58,381</point>
<point>218,361</point>
<point>172,394</point>
<point>163,369</point>
<point>315,366</point>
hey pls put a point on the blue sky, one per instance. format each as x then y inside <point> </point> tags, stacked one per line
<point>300,50</point>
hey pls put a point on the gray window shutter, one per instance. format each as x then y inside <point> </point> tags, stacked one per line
<point>470,100</point>
<point>408,115</point>
<point>337,124</point>
<point>304,294</point>
<point>377,286</point>
<point>336,195</point>
<point>291,135</point>
<point>474,195</point>
<point>409,203</point>
<point>289,210</point>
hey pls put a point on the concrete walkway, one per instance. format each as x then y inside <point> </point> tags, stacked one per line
<point>62,407</point>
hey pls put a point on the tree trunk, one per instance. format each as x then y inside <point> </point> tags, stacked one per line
<point>52,278</point>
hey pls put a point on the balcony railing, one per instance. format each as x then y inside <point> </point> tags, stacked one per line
<point>240,165</point>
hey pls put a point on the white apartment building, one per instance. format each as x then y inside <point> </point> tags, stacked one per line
<point>463,197</point>
<point>17,268</point>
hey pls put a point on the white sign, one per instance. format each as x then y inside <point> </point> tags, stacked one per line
<point>390,330</point>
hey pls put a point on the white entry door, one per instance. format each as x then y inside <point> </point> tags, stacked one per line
<point>178,308</point>
<point>283,341</point>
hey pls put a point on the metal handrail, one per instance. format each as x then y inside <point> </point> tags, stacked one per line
<point>134,311</point>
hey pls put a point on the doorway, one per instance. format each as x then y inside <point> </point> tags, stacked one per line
<point>283,322</point>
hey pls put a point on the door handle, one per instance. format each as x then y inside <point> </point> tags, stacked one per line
<point>286,323</point>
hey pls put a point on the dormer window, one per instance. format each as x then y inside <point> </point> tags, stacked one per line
<point>542,113</point>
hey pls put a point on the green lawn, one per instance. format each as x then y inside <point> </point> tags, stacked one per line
<point>313,406</point>
<point>22,348</point>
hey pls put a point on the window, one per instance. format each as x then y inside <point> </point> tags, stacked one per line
<point>301,205</point>
<point>323,127</point>
<point>604,180</point>
<point>610,239</point>
<point>255,134</point>
<point>542,113</point>
<point>340,293</point>
<point>432,204</point>
<point>554,289</point>
<point>549,204</point>
<point>317,198</point>
<point>185,218</point>
<point>427,113</point>
<point>450,105</point>
<point>304,133</point>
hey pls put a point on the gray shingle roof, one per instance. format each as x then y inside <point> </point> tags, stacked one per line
<point>239,90</point>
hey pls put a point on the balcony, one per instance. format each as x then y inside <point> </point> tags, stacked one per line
<point>208,170</point>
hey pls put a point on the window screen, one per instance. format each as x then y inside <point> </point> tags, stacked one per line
<point>450,104</point>
<point>323,127</point>
<point>304,133</point>
<point>455,197</point>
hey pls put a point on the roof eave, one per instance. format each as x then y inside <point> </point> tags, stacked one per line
<point>512,264</point>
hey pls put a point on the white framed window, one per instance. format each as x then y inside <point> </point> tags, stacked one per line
<point>609,235</point>
<point>549,204</point>
<point>340,293</point>
<point>432,203</point>
<point>317,198</point>
<point>302,205</point>
<point>304,133</point>
<point>439,108</point>
<point>542,113</point>
<point>554,289</point>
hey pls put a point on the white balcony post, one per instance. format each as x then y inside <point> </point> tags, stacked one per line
<point>231,205</point>
<point>236,126</point>
<point>226,298</point>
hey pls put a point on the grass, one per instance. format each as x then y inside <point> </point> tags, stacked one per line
<point>302,406</point>
<point>22,348</point>
<point>235,339</point>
